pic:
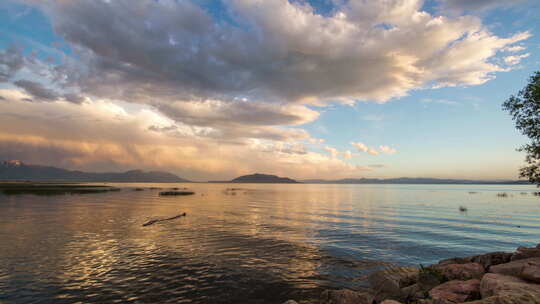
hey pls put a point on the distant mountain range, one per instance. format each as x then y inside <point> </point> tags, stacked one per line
<point>412,180</point>
<point>258,178</point>
<point>15,170</point>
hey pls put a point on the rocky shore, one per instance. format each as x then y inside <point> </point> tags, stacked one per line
<point>492,278</point>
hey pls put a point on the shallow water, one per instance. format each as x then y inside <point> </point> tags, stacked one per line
<point>262,244</point>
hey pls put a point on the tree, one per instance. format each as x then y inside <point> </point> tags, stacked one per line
<point>525,110</point>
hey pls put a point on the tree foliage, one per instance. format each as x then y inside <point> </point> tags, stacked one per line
<point>525,110</point>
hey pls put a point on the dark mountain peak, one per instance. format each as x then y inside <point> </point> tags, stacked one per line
<point>263,178</point>
<point>17,170</point>
<point>12,163</point>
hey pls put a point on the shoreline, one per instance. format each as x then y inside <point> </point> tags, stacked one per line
<point>490,278</point>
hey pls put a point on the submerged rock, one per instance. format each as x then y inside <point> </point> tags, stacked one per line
<point>457,291</point>
<point>345,296</point>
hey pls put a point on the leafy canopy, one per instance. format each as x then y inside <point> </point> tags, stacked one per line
<point>525,110</point>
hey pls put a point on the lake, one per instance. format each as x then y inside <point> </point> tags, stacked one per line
<point>261,244</point>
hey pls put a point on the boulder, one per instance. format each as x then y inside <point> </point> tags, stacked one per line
<point>413,292</point>
<point>528,269</point>
<point>494,284</point>
<point>525,253</point>
<point>457,291</point>
<point>523,299</point>
<point>291,302</point>
<point>429,278</point>
<point>456,261</point>
<point>433,301</point>
<point>487,260</point>
<point>388,283</point>
<point>531,271</point>
<point>490,259</point>
<point>345,296</point>
<point>460,271</point>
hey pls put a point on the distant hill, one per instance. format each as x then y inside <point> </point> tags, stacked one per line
<point>260,179</point>
<point>15,170</point>
<point>411,180</point>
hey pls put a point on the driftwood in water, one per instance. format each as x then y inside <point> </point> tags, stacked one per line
<point>152,222</point>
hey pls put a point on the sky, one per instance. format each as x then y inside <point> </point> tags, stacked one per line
<point>213,89</point>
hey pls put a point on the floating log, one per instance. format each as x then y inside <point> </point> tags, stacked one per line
<point>152,222</point>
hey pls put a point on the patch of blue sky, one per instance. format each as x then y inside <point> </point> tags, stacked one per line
<point>28,28</point>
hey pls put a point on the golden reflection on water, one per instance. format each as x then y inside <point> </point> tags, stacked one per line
<point>264,242</point>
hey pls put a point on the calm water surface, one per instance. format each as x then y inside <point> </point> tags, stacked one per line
<point>264,244</point>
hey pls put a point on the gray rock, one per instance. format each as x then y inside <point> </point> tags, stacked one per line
<point>291,302</point>
<point>457,291</point>
<point>345,296</point>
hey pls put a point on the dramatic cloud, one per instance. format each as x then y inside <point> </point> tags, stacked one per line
<point>140,51</point>
<point>102,135</point>
<point>166,84</point>
<point>363,148</point>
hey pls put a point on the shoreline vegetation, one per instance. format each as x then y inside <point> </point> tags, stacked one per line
<point>14,188</point>
<point>491,278</point>
<point>52,188</point>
